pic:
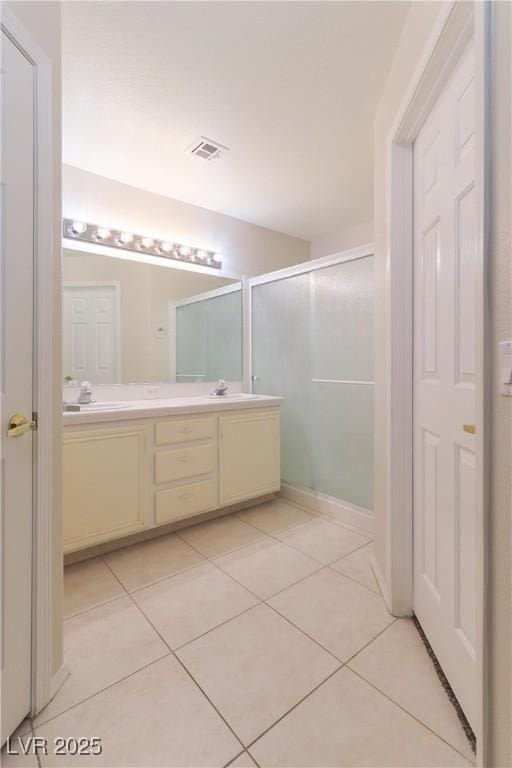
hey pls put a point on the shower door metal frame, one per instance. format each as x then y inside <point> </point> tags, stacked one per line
<point>361,252</point>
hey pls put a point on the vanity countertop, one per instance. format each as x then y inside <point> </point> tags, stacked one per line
<point>140,409</point>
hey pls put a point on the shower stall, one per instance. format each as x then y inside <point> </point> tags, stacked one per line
<point>310,340</point>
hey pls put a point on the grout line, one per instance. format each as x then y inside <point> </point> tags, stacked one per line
<point>253,758</point>
<point>264,602</point>
<point>314,640</point>
<point>355,581</point>
<point>217,626</point>
<point>260,736</point>
<point>407,712</point>
<point>279,591</point>
<point>226,765</point>
<point>182,665</point>
<point>168,578</point>
<point>227,552</point>
<point>367,544</point>
<point>278,530</point>
<point>296,549</point>
<point>363,647</point>
<point>37,755</point>
<point>329,518</point>
<point>102,690</point>
<point>164,578</point>
<point>93,607</point>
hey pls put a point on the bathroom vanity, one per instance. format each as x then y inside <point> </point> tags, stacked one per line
<point>145,464</point>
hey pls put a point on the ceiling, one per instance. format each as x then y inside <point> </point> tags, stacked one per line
<point>290,87</point>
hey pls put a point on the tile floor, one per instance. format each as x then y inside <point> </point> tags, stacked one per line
<point>255,639</point>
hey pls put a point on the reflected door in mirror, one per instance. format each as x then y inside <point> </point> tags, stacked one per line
<point>90,333</point>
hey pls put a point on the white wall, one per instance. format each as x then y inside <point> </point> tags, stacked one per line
<point>500,512</point>
<point>245,248</point>
<point>42,21</point>
<point>342,239</point>
<point>419,23</point>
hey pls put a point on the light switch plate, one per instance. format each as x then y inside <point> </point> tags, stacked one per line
<point>506,368</point>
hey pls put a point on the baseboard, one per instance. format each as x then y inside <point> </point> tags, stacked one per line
<point>357,517</point>
<point>380,580</point>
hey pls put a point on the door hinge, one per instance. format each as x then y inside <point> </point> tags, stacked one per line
<point>34,421</point>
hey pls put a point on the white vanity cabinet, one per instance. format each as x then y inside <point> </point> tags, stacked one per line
<point>185,457</point>
<point>124,476</point>
<point>104,484</point>
<point>249,455</point>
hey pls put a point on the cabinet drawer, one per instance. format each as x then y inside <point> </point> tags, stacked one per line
<point>186,500</point>
<point>179,463</point>
<point>182,430</point>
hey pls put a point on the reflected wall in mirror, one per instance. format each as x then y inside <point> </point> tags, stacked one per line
<point>129,322</point>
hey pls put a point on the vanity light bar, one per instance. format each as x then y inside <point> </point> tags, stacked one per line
<point>128,241</point>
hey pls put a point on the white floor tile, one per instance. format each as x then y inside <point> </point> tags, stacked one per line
<point>216,537</point>
<point>267,566</point>
<point>243,761</point>
<point>341,615</point>
<point>322,540</point>
<point>357,566</point>
<point>275,516</point>
<point>102,646</point>
<point>151,561</point>
<point>255,667</point>
<point>193,602</point>
<point>346,722</point>
<point>88,584</point>
<point>156,717</point>
<point>398,665</point>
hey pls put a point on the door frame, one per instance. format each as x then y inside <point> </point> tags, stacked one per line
<point>249,283</point>
<point>173,306</point>
<point>456,24</point>
<point>116,285</point>
<point>47,545</point>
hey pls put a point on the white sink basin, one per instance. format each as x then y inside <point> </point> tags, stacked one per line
<point>236,396</point>
<point>103,406</point>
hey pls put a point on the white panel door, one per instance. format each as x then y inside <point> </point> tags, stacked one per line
<point>90,333</point>
<point>445,232</point>
<point>16,375</point>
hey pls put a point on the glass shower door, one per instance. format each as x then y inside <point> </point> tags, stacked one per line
<point>312,343</point>
<point>281,365</point>
<point>342,381</point>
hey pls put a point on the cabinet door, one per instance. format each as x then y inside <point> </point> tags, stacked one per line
<point>103,485</point>
<point>249,455</point>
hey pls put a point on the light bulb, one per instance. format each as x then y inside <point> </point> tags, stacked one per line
<point>125,238</point>
<point>102,233</point>
<point>217,258</point>
<point>201,255</point>
<point>147,242</point>
<point>77,228</point>
<point>166,247</point>
<point>185,250</point>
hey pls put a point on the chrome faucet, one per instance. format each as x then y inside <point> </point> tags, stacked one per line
<point>85,396</point>
<point>221,388</point>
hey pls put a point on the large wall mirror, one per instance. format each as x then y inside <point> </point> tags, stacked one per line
<point>129,322</point>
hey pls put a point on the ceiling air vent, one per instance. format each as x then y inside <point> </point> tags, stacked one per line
<point>206,148</point>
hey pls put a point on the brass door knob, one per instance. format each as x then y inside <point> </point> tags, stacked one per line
<point>469,428</point>
<point>19,425</point>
